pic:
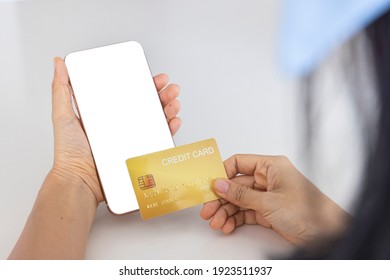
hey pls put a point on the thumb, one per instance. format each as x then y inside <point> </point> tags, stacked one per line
<point>61,98</point>
<point>240,195</point>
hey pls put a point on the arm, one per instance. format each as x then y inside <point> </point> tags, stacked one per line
<point>59,223</point>
<point>61,218</point>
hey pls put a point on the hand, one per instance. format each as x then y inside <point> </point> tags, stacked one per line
<point>72,155</point>
<point>270,192</point>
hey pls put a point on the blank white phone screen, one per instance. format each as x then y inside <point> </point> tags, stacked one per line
<point>121,113</point>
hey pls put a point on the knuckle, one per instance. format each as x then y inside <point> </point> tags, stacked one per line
<point>284,160</point>
<point>59,88</point>
<point>175,103</point>
<point>240,193</point>
<point>163,76</point>
<point>175,88</point>
<point>62,118</point>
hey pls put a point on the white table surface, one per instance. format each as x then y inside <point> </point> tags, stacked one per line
<point>181,235</point>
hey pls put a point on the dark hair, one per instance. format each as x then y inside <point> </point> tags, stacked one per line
<point>368,236</point>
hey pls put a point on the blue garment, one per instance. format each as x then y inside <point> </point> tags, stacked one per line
<point>310,29</point>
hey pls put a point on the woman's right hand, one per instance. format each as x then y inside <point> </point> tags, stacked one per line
<point>269,191</point>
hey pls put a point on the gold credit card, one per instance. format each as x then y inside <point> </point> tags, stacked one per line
<point>176,178</point>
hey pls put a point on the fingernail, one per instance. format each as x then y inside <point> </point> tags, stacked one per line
<point>221,186</point>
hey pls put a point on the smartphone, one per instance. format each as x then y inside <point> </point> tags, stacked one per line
<point>121,113</point>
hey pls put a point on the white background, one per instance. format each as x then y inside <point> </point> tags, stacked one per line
<point>222,53</point>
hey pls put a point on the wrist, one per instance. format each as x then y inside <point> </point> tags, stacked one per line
<point>69,188</point>
<point>85,182</point>
<point>335,219</point>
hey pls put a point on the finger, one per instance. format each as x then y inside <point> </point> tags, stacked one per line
<point>209,209</point>
<point>240,195</point>
<point>174,125</point>
<point>169,93</point>
<point>222,215</point>
<point>61,98</point>
<point>244,164</point>
<point>230,225</point>
<point>223,201</point>
<point>249,180</point>
<point>251,217</point>
<point>160,81</point>
<point>238,219</point>
<point>171,109</point>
